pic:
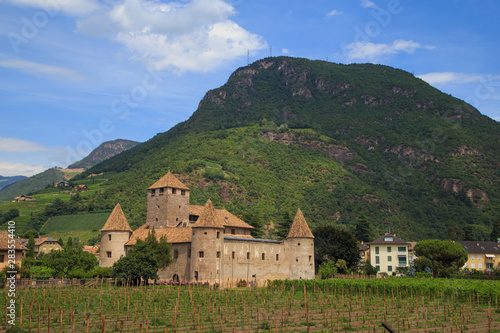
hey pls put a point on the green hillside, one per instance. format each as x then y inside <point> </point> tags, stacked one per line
<point>7,181</point>
<point>83,226</point>
<point>334,140</point>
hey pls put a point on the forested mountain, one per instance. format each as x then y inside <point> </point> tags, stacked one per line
<point>336,141</point>
<point>103,152</point>
<point>7,181</point>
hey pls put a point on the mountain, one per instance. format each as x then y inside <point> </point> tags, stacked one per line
<point>7,181</point>
<point>335,140</point>
<point>32,184</point>
<point>103,152</point>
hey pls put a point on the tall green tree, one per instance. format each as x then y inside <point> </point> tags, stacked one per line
<point>454,232</point>
<point>67,262</point>
<point>144,260</point>
<point>446,257</point>
<point>332,244</point>
<point>495,232</point>
<point>362,231</point>
<point>283,225</point>
<point>31,248</point>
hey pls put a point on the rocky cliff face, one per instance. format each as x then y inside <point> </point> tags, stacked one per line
<point>105,151</point>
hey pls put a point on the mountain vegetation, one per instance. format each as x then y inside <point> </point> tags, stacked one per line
<point>7,181</point>
<point>338,141</point>
<point>103,152</point>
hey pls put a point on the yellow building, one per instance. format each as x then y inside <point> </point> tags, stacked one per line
<point>388,253</point>
<point>45,245</point>
<point>13,244</point>
<point>483,256</point>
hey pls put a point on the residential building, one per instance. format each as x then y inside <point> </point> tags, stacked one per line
<point>483,256</point>
<point>388,253</point>
<point>6,242</point>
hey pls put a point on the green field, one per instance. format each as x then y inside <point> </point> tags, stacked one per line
<point>83,226</point>
<point>405,304</point>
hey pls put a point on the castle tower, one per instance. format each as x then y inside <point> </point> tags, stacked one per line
<point>299,245</point>
<point>207,244</point>
<point>168,203</point>
<point>115,233</point>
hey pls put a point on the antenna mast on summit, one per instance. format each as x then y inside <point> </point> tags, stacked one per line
<point>248,57</point>
<point>270,50</point>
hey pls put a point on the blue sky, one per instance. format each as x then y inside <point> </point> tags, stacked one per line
<point>75,73</point>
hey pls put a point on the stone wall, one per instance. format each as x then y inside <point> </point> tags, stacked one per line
<point>115,245</point>
<point>166,208</point>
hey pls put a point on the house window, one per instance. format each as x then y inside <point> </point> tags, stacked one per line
<point>472,257</point>
<point>402,261</point>
<point>218,234</point>
<point>377,268</point>
<point>233,231</point>
<point>152,193</point>
<point>183,192</point>
<point>174,190</point>
<point>389,249</point>
<point>109,237</point>
<point>401,249</point>
<point>201,254</point>
<point>2,257</point>
<point>248,255</point>
<point>478,257</point>
<point>480,266</point>
<point>263,256</point>
<point>473,265</point>
<point>108,254</point>
<point>377,260</point>
<point>176,254</point>
<point>376,249</point>
<point>161,191</point>
<point>389,258</point>
<point>277,257</point>
<point>233,255</point>
<point>218,254</point>
<point>389,268</point>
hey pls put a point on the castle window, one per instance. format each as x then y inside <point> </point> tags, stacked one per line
<point>201,254</point>
<point>310,258</point>
<point>233,254</point>
<point>176,254</point>
<point>183,192</point>
<point>156,219</point>
<point>152,193</point>
<point>108,254</point>
<point>174,190</point>
<point>248,255</point>
<point>299,244</point>
<point>218,254</point>
<point>297,259</point>
<point>189,252</point>
<point>109,237</point>
<point>176,219</point>
<point>218,234</point>
<point>233,231</point>
<point>263,256</point>
<point>161,191</point>
<point>2,258</point>
<point>277,257</point>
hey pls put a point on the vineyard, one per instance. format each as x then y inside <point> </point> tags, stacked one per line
<point>406,305</point>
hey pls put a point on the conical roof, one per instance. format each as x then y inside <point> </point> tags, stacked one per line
<point>169,180</point>
<point>117,221</point>
<point>299,228</point>
<point>208,217</point>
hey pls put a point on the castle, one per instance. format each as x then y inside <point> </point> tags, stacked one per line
<point>208,244</point>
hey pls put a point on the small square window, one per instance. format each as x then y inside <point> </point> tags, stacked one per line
<point>233,231</point>
<point>277,257</point>
<point>201,254</point>
<point>183,192</point>
<point>389,268</point>
<point>263,256</point>
<point>218,254</point>
<point>189,253</point>
<point>389,258</point>
<point>108,254</point>
<point>376,249</point>
<point>233,255</point>
<point>176,254</point>
<point>310,258</point>
<point>109,237</point>
<point>2,257</point>
<point>218,234</point>
<point>248,255</point>
<point>389,249</point>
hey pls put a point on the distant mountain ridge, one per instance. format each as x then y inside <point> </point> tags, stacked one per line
<point>7,181</point>
<point>105,150</point>
<point>335,140</point>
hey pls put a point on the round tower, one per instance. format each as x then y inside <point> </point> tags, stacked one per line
<point>207,247</point>
<point>299,246</point>
<point>114,235</point>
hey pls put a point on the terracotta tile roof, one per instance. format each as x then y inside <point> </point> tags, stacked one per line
<point>229,220</point>
<point>117,221</point>
<point>4,241</point>
<point>238,236</point>
<point>209,217</point>
<point>40,241</point>
<point>232,220</point>
<point>299,228</point>
<point>388,239</point>
<point>480,247</point>
<point>169,180</point>
<point>173,234</point>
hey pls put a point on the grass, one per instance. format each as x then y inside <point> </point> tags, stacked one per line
<point>79,222</point>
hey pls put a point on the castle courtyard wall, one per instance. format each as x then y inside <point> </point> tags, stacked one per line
<point>180,265</point>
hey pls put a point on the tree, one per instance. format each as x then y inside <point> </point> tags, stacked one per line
<point>69,243</point>
<point>454,232</point>
<point>144,260</point>
<point>331,243</point>
<point>31,248</point>
<point>369,269</point>
<point>283,225</point>
<point>69,262</point>
<point>61,242</point>
<point>29,233</point>
<point>446,257</point>
<point>495,232</point>
<point>469,233</point>
<point>327,269</point>
<point>362,230</point>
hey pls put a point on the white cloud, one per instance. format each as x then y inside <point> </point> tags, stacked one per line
<point>52,7</point>
<point>496,119</point>
<point>334,13</point>
<point>19,145</point>
<point>195,36</point>
<point>368,4</point>
<point>285,51</point>
<point>363,51</point>
<point>19,169</point>
<point>458,78</point>
<point>39,69</point>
